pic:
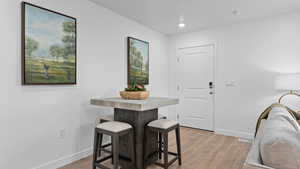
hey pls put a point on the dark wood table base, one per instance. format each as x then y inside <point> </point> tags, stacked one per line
<point>138,119</point>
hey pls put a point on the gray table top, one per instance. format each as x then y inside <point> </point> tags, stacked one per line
<point>136,105</point>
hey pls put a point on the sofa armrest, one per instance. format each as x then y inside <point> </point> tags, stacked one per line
<point>253,160</point>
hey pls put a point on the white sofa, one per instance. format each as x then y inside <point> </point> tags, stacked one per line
<point>254,158</point>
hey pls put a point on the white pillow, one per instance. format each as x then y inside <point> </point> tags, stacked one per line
<point>280,144</point>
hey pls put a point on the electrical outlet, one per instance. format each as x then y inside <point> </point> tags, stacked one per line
<point>62,133</point>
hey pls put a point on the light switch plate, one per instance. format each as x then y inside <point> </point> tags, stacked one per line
<point>230,83</point>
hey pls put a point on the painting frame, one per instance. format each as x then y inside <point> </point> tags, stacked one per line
<point>129,81</point>
<point>23,45</point>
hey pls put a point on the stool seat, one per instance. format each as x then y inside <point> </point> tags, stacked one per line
<point>163,123</point>
<point>114,126</point>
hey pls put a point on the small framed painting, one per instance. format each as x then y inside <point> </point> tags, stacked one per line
<point>48,47</point>
<point>138,61</point>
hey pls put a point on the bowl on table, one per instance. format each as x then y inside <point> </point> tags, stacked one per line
<point>134,95</point>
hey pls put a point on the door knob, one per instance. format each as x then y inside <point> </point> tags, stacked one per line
<point>211,92</point>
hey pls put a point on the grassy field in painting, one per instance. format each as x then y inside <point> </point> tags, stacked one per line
<point>138,76</point>
<point>58,72</point>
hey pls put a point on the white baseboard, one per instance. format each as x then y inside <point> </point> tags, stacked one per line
<point>242,135</point>
<point>66,160</point>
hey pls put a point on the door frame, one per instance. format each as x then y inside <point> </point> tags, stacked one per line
<point>214,76</point>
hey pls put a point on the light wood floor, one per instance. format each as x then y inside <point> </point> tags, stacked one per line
<point>200,150</point>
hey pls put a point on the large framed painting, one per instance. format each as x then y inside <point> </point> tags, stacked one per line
<point>138,61</point>
<point>48,46</point>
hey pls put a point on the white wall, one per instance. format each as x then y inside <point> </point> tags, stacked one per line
<point>251,54</point>
<point>32,116</point>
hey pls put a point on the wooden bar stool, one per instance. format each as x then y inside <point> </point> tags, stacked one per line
<point>163,127</point>
<point>115,130</point>
<point>104,119</point>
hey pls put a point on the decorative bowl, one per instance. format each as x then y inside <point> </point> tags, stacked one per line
<point>134,95</point>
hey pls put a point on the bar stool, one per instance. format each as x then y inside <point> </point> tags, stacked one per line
<point>104,119</point>
<point>163,127</point>
<point>115,130</point>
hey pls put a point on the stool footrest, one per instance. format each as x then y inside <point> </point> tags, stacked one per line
<point>106,145</point>
<point>169,163</point>
<point>110,156</point>
<point>161,151</point>
<point>104,159</point>
<point>174,154</point>
<point>101,166</point>
<point>155,152</point>
<point>171,153</point>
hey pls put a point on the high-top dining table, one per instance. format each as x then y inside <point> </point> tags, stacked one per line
<point>137,113</point>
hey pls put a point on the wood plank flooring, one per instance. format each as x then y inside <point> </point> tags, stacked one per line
<point>200,150</point>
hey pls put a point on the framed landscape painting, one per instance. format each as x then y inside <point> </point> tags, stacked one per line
<point>48,47</point>
<point>138,61</point>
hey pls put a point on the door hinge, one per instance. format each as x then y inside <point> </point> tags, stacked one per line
<point>178,87</point>
<point>178,59</point>
<point>177,116</point>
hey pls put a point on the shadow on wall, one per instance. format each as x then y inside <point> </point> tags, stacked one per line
<point>90,118</point>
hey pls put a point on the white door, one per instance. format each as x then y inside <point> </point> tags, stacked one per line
<point>195,87</point>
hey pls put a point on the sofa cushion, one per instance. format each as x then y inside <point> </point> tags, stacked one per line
<point>280,144</point>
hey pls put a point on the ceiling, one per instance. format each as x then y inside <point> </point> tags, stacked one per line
<point>164,15</point>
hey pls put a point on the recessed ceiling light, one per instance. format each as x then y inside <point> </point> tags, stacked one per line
<point>235,12</point>
<point>181,25</point>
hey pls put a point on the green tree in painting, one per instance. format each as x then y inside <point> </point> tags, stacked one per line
<point>132,50</point>
<point>57,51</point>
<point>30,46</point>
<point>69,38</point>
<point>138,62</point>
